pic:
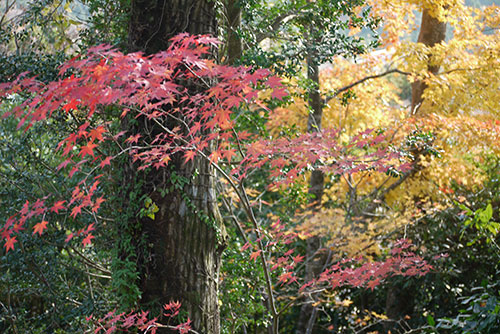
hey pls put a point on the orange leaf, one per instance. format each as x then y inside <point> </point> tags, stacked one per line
<point>38,228</point>
<point>254,255</point>
<point>9,244</point>
<point>189,155</point>
<point>97,133</point>
<point>88,149</point>
<point>106,162</point>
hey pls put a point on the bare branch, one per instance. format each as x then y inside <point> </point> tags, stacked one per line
<point>360,81</point>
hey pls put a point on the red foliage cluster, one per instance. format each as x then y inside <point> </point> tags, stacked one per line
<point>355,272</point>
<point>151,87</point>
<point>145,86</point>
<point>289,157</point>
<point>114,322</point>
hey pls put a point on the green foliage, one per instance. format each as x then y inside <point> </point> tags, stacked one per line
<point>243,305</point>
<point>299,29</point>
<point>108,22</point>
<point>480,312</point>
<point>46,285</point>
<point>149,210</point>
<point>481,220</point>
<point>44,66</point>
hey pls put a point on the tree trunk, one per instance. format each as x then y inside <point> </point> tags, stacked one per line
<point>315,260</point>
<point>154,22</point>
<point>185,240</point>
<point>234,45</point>
<point>432,31</point>
<point>400,298</point>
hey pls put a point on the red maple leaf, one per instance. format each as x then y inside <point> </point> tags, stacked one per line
<point>87,240</point>
<point>9,244</point>
<point>71,105</point>
<point>254,255</point>
<point>58,206</point>
<point>96,134</point>
<point>25,208</point>
<point>273,82</point>
<point>97,204</point>
<point>76,210</point>
<point>88,149</point>
<point>172,308</point>
<point>106,162</point>
<point>185,327</point>
<point>17,227</point>
<point>63,164</point>
<point>189,155</point>
<point>38,228</point>
<point>133,139</point>
<point>90,228</point>
<point>279,93</point>
<point>69,237</point>
<point>82,130</point>
<point>73,171</point>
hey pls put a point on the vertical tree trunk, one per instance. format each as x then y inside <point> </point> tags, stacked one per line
<point>234,45</point>
<point>315,261</point>
<point>432,31</point>
<point>400,298</point>
<point>185,240</point>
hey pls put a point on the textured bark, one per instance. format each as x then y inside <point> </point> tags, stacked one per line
<point>314,124</point>
<point>432,31</point>
<point>185,240</point>
<point>184,250</point>
<point>154,22</point>
<point>234,46</point>
<point>315,259</point>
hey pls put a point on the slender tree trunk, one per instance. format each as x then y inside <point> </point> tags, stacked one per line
<point>400,298</point>
<point>316,183</point>
<point>432,31</point>
<point>184,242</point>
<point>315,260</point>
<point>234,45</point>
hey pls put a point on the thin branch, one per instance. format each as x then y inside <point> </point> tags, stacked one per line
<point>277,24</point>
<point>90,262</point>
<point>360,81</point>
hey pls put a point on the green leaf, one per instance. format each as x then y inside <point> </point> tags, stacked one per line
<point>431,321</point>
<point>154,208</point>
<point>488,212</point>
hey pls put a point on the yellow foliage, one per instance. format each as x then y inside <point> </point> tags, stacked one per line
<point>469,79</point>
<point>461,109</point>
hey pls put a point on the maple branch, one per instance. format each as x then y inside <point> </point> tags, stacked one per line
<point>360,81</point>
<point>465,70</point>
<point>263,259</point>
